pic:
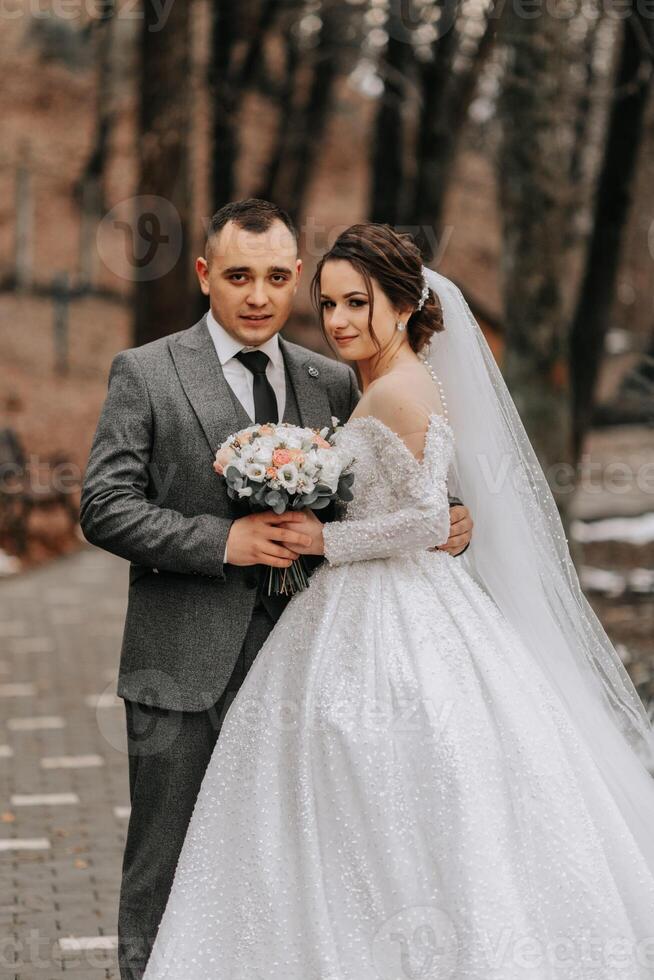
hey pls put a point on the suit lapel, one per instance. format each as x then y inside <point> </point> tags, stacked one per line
<point>201,376</point>
<point>311,397</point>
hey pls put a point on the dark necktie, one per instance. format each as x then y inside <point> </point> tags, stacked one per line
<point>265,401</point>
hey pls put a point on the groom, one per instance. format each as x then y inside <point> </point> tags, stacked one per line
<point>197,615</point>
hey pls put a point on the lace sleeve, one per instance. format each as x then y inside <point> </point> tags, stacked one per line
<point>422,518</point>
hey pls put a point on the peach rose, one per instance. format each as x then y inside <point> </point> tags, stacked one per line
<point>266,430</point>
<point>322,443</point>
<point>224,456</point>
<point>281,457</point>
<point>297,456</point>
<point>271,472</point>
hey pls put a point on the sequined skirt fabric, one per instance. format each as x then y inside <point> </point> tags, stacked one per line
<point>396,792</point>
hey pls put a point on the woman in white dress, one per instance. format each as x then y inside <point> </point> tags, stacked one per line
<point>434,767</point>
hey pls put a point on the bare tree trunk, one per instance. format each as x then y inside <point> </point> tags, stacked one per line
<point>389,143</point>
<point>94,171</point>
<point>287,111</point>
<point>224,94</point>
<point>446,98</point>
<point>435,142</point>
<point>584,106</point>
<point>612,204</point>
<point>24,208</point>
<point>302,132</point>
<point>532,169</point>
<point>161,247</point>
<point>252,61</point>
<point>89,190</point>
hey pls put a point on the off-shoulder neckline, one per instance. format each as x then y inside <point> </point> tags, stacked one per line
<point>385,428</point>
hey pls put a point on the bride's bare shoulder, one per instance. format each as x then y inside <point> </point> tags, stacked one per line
<point>406,394</point>
<point>404,400</point>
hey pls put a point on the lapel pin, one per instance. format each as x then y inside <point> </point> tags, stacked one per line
<point>314,372</point>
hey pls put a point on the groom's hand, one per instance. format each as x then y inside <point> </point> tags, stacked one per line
<point>259,539</point>
<point>460,530</point>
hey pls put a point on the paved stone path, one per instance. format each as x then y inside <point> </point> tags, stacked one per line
<point>64,793</point>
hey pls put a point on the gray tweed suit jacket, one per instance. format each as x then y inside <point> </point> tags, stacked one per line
<point>151,496</point>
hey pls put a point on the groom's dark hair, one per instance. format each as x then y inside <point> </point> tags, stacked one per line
<point>253,214</point>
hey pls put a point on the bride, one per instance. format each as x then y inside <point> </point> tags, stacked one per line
<point>435,767</point>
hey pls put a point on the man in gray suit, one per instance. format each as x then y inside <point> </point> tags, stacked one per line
<point>197,613</point>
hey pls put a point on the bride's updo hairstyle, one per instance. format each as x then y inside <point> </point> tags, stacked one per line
<point>393,260</point>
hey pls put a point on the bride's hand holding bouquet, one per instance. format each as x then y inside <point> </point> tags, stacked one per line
<point>290,471</point>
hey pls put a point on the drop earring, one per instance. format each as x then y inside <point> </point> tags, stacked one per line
<point>400,326</point>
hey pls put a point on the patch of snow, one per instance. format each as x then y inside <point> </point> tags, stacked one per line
<point>611,583</point>
<point>8,564</point>
<point>618,341</point>
<point>631,530</point>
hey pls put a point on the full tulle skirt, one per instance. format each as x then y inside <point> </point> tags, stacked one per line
<point>397,792</point>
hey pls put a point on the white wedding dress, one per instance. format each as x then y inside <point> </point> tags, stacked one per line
<point>397,792</point>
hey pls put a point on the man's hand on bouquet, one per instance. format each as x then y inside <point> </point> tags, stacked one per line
<point>268,539</point>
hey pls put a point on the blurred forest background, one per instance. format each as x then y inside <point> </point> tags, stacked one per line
<point>515,140</point>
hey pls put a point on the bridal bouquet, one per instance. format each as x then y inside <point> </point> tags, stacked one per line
<point>285,467</point>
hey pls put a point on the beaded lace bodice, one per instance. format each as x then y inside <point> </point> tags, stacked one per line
<point>400,504</point>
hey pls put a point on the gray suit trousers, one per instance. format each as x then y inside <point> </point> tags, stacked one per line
<point>168,755</point>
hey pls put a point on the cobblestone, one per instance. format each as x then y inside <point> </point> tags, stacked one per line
<point>60,629</point>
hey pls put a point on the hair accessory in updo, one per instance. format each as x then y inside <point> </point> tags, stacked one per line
<point>424,295</point>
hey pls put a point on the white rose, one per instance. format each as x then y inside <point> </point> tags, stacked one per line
<point>263,456</point>
<point>238,463</point>
<point>331,471</point>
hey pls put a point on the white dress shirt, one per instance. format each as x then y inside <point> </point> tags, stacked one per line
<point>239,378</point>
